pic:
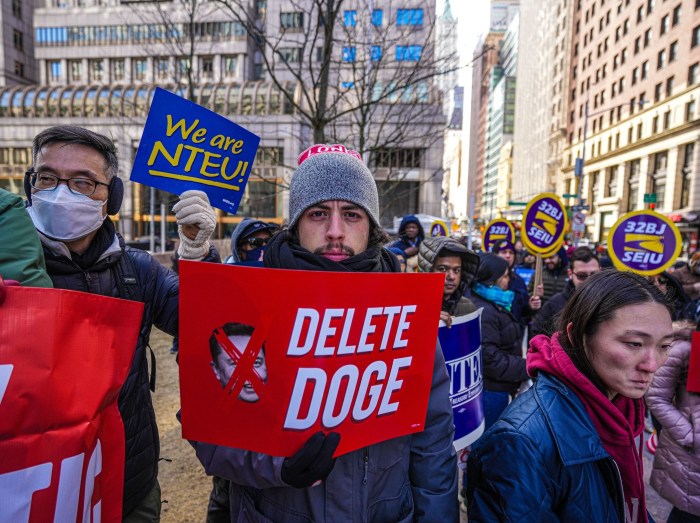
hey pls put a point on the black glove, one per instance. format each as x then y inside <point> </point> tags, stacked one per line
<point>313,462</point>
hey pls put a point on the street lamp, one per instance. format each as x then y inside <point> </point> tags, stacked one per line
<point>581,161</point>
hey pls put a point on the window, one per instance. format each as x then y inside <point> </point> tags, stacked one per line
<point>686,172</point>
<point>207,66</point>
<point>637,44</point>
<point>409,17</point>
<point>673,52</point>
<point>162,68</point>
<point>694,73</point>
<point>17,8</point>
<point>635,75</point>
<point>626,27</point>
<point>75,67</point>
<point>676,18</point>
<point>348,54</point>
<point>647,37</point>
<point>658,179</point>
<point>696,37</point>
<point>640,14</point>
<point>350,18</point>
<point>661,59</point>
<point>289,55</point>
<point>18,39</point>
<point>633,184</point>
<point>376,53</point>
<point>230,65</point>
<point>667,120</point>
<point>669,86</point>
<point>117,70</point>
<point>611,176</point>
<point>184,67</point>
<point>665,22</point>
<point>377,17</point>
<point>96,70</point>
<point>294,20</point>
<point>19,69</point>
<point>399,158</point>
<point>690,111</point>
<point>650,6</point>
<point>408,53</point>
<point>654,125</point>
<point>139,69</point>
<point>658,89</point>
<point>645,70</point>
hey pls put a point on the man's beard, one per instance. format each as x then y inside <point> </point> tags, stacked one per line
<point>335,247</point>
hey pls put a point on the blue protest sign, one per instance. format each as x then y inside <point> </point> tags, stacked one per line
<point>525,274</point>
<point>461,345</point>
<point>185,146</point>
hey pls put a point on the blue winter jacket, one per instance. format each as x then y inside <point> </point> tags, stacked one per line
<point>402,242</point>
<point>543,461</point>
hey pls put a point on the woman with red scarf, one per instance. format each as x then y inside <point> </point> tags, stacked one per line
<point>568,449</point>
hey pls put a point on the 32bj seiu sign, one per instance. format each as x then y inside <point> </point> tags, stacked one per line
<point>270,356</point>
<point>64,356</point>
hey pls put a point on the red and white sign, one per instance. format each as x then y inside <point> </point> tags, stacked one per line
<point>64,356</point>
<point>270,356</point>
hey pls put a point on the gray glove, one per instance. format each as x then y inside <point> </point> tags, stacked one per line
<point>194,209</point>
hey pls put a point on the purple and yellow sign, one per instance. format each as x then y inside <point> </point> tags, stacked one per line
<point>438,228</point>
<point>644,242</point>
<point>497,230</point>
<point>544,223</point>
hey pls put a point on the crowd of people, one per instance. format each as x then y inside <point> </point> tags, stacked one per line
<point>566,448</point>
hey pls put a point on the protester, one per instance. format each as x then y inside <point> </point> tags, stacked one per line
<point>553,275</point>
<point>524,305</point>
<point>683,307</point>
<point>72,187</point>
<point>528,262</point>
<point>565,450</point>
<point>676,472</point>
<point>689,276</point>
<point>399,256</point>
<point>501,336</point>
<point>582,264</point>
<point>21,257</point>
<point>458,264</point>
<point>248,241</point>
<point>334,226</point>
<point>411,234</point>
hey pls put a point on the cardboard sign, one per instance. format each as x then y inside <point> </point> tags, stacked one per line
<point>269,356</point>
<point>64,357</point>
<point>693,383</point>
<point>461,345</point>
<point>644,242</point>
<point>544,223</point>
<point>185,146</point>
<point>439,228</point>
<point>497,230</point>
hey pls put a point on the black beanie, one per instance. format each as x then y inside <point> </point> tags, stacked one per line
<point>491,268</point>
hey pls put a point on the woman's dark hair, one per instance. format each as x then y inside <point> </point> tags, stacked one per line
<point>595,302</point>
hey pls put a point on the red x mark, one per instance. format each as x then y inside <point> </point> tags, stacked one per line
<point>244,361</point>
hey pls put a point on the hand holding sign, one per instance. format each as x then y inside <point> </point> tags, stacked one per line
<point>313,462</point>
<point>195,224</point>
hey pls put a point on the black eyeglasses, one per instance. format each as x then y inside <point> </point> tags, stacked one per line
<point>48,182</point>
<point>257,242</point>
<point>583,276</point>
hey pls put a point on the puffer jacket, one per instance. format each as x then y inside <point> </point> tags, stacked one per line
<point>676,473</point>
<point>158,288</point>
<point>406,479</point>
<point>21,257</point>
<point>559,478</point>
<point>458,304</point>
<point>501,347</point>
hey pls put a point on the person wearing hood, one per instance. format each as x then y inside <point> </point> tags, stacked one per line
<point>524,305</point>
<point>411,234</point>
<point>248,242</point>
<point>566,450</point>
<point>501,336</point>
<point>458,264</point>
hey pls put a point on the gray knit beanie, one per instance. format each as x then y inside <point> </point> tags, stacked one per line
<point>332,172</point>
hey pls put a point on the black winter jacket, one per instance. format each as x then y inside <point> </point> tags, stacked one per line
<point>546,320</point>
<point>501,347</point>
<point>157,287</point>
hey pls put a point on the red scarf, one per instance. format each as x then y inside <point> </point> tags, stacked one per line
<point>617,422</point>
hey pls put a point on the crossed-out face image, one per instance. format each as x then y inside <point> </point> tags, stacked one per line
<point>225,361</point>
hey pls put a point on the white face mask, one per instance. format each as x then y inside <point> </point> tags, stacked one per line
<point>64,216</point>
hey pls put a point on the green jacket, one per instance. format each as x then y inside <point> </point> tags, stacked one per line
<point>21,256</point>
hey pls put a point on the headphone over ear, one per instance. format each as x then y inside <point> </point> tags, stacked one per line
<point>114,200</point>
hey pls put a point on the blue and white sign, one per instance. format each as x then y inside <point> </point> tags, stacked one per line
<point>185,146</point>
<point>461,345</point>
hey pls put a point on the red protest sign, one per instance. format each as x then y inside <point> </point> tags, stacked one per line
<point>64,356</point>
<point>270,356</point>
<point>693,384</point>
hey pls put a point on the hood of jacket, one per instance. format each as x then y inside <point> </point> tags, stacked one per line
<point>410,218</point>
<point>618,421</point>
<point>430,249</point>
<point>243,229</point>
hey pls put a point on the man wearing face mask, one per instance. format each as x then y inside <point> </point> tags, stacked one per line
<point>72,187</point>
<point>248,242</point>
